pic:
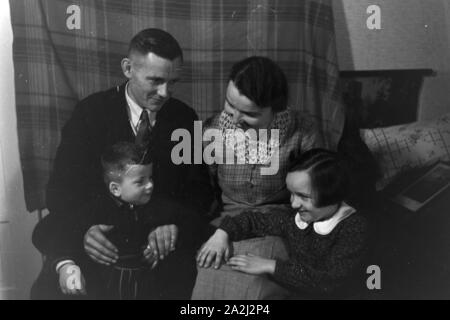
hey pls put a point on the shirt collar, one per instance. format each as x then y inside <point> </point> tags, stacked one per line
<point>120,203</point>
<point>134,108</point>
<point>325,227</point>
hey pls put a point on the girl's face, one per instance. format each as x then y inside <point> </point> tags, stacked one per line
<point>303,198</point>
<point>244,112</point>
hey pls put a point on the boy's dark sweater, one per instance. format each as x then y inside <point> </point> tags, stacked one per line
<point>131,226</point>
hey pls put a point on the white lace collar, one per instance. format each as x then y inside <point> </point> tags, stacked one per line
<point>251,151</point>
<point>325,227</point>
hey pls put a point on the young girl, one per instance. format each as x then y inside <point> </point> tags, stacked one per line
<point>324,235</point>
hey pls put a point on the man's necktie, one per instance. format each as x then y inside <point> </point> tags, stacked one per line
<point>144,130</point>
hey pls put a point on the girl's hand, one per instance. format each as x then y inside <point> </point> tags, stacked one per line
<point>216,248</point>
<point>252,264</point>
<point>71,281</point>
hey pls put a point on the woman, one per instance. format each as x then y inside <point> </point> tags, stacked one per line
<point>256,98</point>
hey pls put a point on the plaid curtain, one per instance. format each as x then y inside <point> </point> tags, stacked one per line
<point>56,65</point>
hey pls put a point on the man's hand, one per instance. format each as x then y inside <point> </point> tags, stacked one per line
<point>162,241</point>
<point>252,264</point>
<point>71,280</point>
<point>216,248</point>
<point>98,247</point>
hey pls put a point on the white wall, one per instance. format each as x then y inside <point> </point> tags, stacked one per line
<point>19,261</point>
<point>435,98</point>
<point>414,34</point>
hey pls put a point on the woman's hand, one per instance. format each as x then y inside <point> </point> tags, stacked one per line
<point>252,264</point>
<point>216,248</point>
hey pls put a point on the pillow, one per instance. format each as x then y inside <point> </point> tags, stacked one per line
<point>400,148</point>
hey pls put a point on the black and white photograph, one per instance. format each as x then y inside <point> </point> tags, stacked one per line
<point>224,154</point>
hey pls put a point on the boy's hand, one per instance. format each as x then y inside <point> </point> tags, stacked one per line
<point>216,248</point>
<point>150,257</point>
<point>252,264</point>
<point>98,247</point>
<point>71,281</point>
<point>162,240</point>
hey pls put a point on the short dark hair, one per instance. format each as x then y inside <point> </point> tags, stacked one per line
<point>157,41</point>
<point>117,157</point>
<point>262,81</point>
<point>329,174</point>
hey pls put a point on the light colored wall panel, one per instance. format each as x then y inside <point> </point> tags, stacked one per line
<point>19,261</point>
<point>414,34</point>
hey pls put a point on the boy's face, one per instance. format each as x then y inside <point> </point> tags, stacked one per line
<point>136,186</point>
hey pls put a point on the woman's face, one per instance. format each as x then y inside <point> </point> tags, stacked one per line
<point>302,198</point>
<point>244,112</point>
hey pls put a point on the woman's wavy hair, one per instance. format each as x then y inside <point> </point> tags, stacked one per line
<point>262,81</point>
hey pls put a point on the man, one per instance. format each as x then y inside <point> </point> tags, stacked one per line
<point>141,111</point>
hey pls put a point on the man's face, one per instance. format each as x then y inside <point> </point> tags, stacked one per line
<point>137,185</point>
<point>151,79</point>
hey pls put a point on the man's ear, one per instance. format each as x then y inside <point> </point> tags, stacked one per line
<point>126,67</point>
<point>115,189</point>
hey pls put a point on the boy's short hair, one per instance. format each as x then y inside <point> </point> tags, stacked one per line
<point>329,174</point>
<point>117,157</point>
<point>262,81</point>
<point>156,41</point>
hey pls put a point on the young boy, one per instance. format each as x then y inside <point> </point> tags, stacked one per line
<point>126,209</point>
